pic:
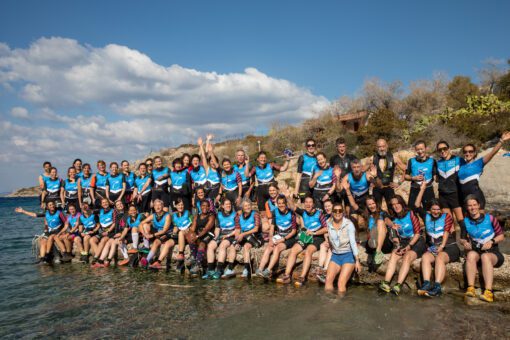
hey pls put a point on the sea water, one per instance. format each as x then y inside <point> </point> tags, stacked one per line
<point>73,300</point>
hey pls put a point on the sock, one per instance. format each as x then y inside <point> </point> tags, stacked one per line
<point>210,267</point>
<point>150,256</point>
<point>230,265</point>
<point>200,256</point>
<point>146,243</point>
<point>123,251</point>
<point>220,267</point>
<point>135,237</point>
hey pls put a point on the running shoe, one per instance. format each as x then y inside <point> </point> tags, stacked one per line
<point>180,257</point>
<point>132,251</point>
<point>208,275</point>
<point>143,262</point>
<point>487,296</point>
<point>258,273</point>
<point>470,292</point>
<point>385,286</point>
<point>106,264</point>
<point>321,278</point>
<point>97,265</point>
<point>123,262</point>
<point>266,274</point>
<point>300,281</point>
<point>284,279</point>
<point>194,271</point>
<point>216,275</point>
<point>422,291</point>
<point>396,289</point>
<point>434,291</point>
<point>378,257</point>
<point>229,273</point>
<point>155,265</point>
<point>246,274</point>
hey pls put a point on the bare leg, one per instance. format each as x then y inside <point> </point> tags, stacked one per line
<point>323,254</point>
<point>291,260</point>
<point>222,252</point>
<point>471,260</point>
<point>381,235</point>
<point>307,261</point>
<point>211,251</point>
<point>166,249</point>
<point>42,246</point>
<point>440,269</point>
<point>78,243</point>
<point>345,275</point>
<point>409,257</point>
<point>392,266</point>
<point>276,255</point>
<point>246,252</point>
<point>333,270</point>
<point>265,257</point>
<point>488,262</point>
<point>426,265</point>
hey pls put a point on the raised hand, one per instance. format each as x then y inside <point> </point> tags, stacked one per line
<point>200,142</point>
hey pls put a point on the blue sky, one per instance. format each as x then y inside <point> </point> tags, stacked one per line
<point>315,51</point>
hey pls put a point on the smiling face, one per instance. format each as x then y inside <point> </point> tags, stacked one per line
<point>86,170</point>
<point>328,207</point>
<point>119,205</point>
<point>185,161</point>
<point>158,206</point>
<point>246,207</point>
<point>443,150</point>
<point>421,150</point>
<point>101,167</point>
<point>47,168</point>
<point>371,205</point>
<point>142,169</point>
<point>114,169</point>
<point>356,169</point>
<point>281,204</point>
<point>204,205</point>
<point>105,204</point>
<point>308,204</point>
<point>240,157</point>
<point>397,207</point>
<point>262,159</point>
<point>227,206</point>
<point>195,162</point>
<point>132,211</point>
<point>341,149</point>
<point>77,166</point>
<point>382,147</point>
<point>227,166</point>
<point>72,210</point>
<point>71,173</point>
<point>321,160</point>
<point>473,207</point>
<point>51,207</point>
<point>200,194</point>
<point>435,210</point>
<point>157,163</point>
<point>53,173</point>
<point>273,192</point>
<point>311,147</point>
<point>469,153</point>
<point>178,166</point>
<point>180,206</point>
<point>125,166</point>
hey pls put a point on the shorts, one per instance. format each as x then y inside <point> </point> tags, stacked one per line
<point>317,241</point>
<point>499,256</point>
<point>318,196</point>
<point>206,238</point>
<point>255,241</point>
<point>212,192</point>
<point>167,236</point>
<point>304,187</point>
<point>230,239</point>
<point>453,252</point>
<point>428,196</point>
<point>361,202</point>
<point>385,192</point>
<point>48,233</point>
<point>450,200</point>
<point>419,247</point>
<point>288,242</point>
<point>341,259</point>
<point>478,193</point>
<point>115,196</point>
<point>159,194</point>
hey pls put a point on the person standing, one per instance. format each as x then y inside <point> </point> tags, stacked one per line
<point>306,164</point>
<point>420,168</point>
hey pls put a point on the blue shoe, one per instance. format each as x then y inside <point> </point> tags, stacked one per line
<point>422,291</point>
<point>208,275</point>
<point>216,275</point>
<point>228,274</point>
<point>246,274</point>
<point>434,291</point>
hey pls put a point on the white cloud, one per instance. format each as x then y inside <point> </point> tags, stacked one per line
<point>19,112</point>
<point>138,105</point>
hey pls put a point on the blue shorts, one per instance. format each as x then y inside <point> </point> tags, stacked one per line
<point>341,259</point>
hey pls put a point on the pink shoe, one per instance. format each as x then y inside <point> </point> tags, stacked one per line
<point>97,265</point>
<point>143,262</point>
<point>155,265</point>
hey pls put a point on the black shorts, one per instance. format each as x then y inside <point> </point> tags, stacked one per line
<point>428,196</point>
<point>48,233</point>
<point>317,241</point>
<point>419,247</point>
<point>255,241</point>
<point>304,187</point>
<point>386,192</point>
<point>115,196</point>
<point>450,200</point>
<point>317,197</point>
<point>478,193</point>
<point>453,252</point>
<point>361,202</point>
<point>206,238</point>
<point>230,239</point>
<point>167,236</point>
<point>495,251</point>
<point>158,194</point>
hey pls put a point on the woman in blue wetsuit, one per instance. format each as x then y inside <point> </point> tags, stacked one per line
<point>42,178</point>
<point>85,183</point>
<point>323,181</point>
<point>129,177</point>
<point>181,221</point>
<point>115,184</point>
<point>200,234</point>
<point>156,230</point>
<point>134,222</point>
<point>54,222</point>
<point>99,187</point>
<point>420,168</point>
<point>212,169</point>
<point>480,240</point>
<point>69,189</point>
<point>471,169</point>
<point>107,217</point>
<point>142,192</point>
<point>71,229</point>
<point>409,243</point>
<point>52,189</point>
<point>306,164</point>
<point>264,174</point>
<point>197,173</point>
<point>231,184</point>
<point>88,228</point>
<point>180,184</point>
<point>160,175</point>
<point>224,237</point>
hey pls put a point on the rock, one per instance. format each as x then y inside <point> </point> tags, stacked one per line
<point>26,192</point>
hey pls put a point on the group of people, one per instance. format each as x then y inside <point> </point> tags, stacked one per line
<point>218,209</point>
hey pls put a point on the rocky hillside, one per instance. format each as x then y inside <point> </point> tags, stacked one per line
<point>26,192</point>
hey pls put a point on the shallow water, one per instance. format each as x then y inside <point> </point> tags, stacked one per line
<point>76,301</point>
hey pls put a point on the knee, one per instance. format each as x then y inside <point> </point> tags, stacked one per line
<point>472,257</point>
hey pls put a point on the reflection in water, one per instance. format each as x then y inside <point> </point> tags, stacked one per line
<point>76,301</point>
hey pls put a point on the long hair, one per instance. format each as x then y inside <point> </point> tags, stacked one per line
<point>403,203</point>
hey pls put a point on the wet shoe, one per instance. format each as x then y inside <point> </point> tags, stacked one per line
<point>422,291</point>
<point>321,278</point>
<point>434,291</point>
<point>106,264</point>
<point>143,262</point>
<point>487,296</point>
<point>180,257</point>
<point>385,286</point>
<point>266,274</point>
<point>97,265</point>
<point>396,289</point>
<point>208,275</point>
<point>132,251</point>
<point>470,292</point>
<point>194,271</point>
<point>155,265</point>
<point>216,275</point>
<point>284,279</point>
<point>378,257</point>
<point>258,273</point>
<point>229,273</point>
<point>246,274</point>
<point>299,282</point>
<point>190,262</point>
<point>123,262</point>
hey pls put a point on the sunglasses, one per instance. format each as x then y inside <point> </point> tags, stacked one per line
<point>442,149</point>
<point>149,164</point>
<point>310,145</point>
<point>468,151</point>
<point>337,211</point>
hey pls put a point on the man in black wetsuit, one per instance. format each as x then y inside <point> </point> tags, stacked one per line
<point>343,161</point>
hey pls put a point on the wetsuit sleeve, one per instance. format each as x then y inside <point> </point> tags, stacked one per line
<point>408,169</point>
<point>449,227</point>
<point>293,222</point>
<point>496,226</point>
<point>299,211</point>
<point>252,171</point>
<point>300,162</point>
<point>256,217</point>
<point>63,217</point>
<point>323,220</point>
<point>352,239</point>
<point>236,222</point>
<point>332,161</point>
<point>434,168</point>
<point>416,223</point>
<point>239,180</point>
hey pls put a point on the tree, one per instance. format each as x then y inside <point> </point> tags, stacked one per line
<point>503,85</point>
<point>459,89</point>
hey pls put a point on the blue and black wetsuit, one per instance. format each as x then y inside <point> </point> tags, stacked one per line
<point>115,185</point>
<point>181,187</point>
<point>85,183</point>
<point>160,185</point>
<point>245,181</point>
<point>100,188</point>
<point>481,230</point>
<point>359,188</point>
<point>52,188</point>
<point>145,204</point>
<point>230,185</point>
<point>469,177</point>
<point>447,175</point>
<point>71,193</point>
<point>264,176</point>
<point>306,165</point>
<point>426,167</point>
<point>325,181</point>
<point>212,186</point>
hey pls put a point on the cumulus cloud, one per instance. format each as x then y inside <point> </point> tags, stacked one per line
<point>138,104</point>
<point>19,112</point>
